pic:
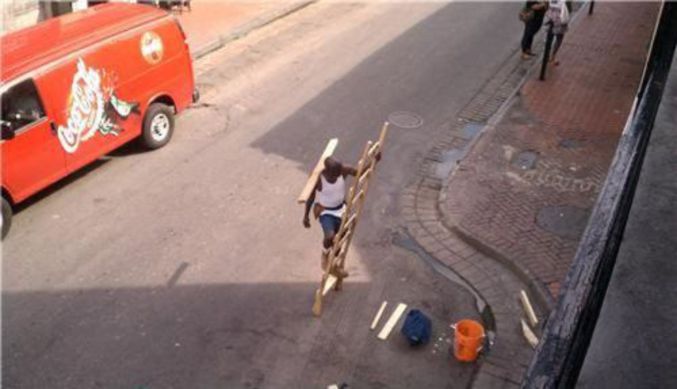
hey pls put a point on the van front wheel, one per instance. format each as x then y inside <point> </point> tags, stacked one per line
<point>6,220</point>
<point>158,126</point>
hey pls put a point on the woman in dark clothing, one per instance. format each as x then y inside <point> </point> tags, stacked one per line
<point>532,26</point>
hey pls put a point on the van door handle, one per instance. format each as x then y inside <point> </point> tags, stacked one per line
<point>52,127</point>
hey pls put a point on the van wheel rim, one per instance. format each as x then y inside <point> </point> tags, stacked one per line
<point>159,127</point>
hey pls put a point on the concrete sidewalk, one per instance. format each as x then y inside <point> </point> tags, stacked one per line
<point>634,341</point>
<point>211,24</point>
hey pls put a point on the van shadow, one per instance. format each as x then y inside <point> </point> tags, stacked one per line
<point>64,182</point>
<point>131,148</point>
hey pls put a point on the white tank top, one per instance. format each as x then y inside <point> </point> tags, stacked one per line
<point>332,195</point>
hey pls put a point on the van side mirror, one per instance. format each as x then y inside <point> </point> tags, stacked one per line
<point>6,130</point>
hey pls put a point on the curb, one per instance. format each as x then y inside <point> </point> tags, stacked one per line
<point>536,288</point>
<point>241,31</point>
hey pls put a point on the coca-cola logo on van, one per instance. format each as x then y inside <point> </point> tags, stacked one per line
<point>152,48</point>
<point>92,108</point>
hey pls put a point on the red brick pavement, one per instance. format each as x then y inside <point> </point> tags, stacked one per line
<point>209,20</point>
<point>572,122</point>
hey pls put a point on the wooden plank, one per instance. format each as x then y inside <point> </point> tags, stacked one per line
<point>384,132</point>
<point>374,323</point>
<point>390,324</point>
<point>315,174</point>
<point>529,334</point>
<point>528,309</point>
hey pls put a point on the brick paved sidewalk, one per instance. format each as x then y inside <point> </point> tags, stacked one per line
<point>524,192</point>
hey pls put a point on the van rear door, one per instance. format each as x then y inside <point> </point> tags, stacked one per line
<point>32,156</point>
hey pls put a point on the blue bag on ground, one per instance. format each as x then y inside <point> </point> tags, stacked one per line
<point>417,328</point>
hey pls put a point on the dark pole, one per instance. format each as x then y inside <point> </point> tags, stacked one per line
<point>546,52</point>
<point>592,7</point>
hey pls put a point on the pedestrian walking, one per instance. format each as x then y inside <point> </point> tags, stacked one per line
<point>330,190</point>
<point>532,15</point>
<point>557,15</point>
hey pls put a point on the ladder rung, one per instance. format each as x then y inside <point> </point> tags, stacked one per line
<point>350,221</point>
<point>345,237</point>
<point>365,176</point>
<point>359,196</point>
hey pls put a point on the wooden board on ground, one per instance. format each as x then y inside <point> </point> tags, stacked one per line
<point>529,334</point>
<point>315,174</point>
<point>528,309</point>
<point>378,315</point>
<point>392,321</point>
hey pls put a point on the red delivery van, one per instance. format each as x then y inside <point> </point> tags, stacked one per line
<point>74,88</point>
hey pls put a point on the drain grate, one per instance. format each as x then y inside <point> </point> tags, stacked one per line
<point>405,119</point>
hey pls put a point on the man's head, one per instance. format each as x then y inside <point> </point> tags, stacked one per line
<point>332,169</point>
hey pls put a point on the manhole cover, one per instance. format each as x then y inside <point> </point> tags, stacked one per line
<point>566,221</point>
<point>525,160</point>
<point>404,119</point>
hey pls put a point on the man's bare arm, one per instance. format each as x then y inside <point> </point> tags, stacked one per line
<point>348,171</point>
<point>309,204</point>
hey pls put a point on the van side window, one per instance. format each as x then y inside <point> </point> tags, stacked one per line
<point>21,106</point>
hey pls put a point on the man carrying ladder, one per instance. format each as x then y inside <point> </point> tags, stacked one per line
<point>330,192</point>
<point>337,208</point>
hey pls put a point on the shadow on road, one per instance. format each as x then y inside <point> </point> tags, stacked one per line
<point>206,336</point>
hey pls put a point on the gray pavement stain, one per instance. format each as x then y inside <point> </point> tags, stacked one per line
<point>450,158</point>
<point>448,161</point>
<point>526,160</point>
<point>405,241</point>
<point>471,130</point>
<point>566,221</point>
<point>569,144</point>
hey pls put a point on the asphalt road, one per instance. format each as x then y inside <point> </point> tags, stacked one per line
<point>189,266</point>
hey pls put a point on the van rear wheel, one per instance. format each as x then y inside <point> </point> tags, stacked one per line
<point>6,220</point>
<point>158,126</point>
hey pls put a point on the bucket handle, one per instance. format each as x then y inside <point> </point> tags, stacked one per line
<point>454,327</point>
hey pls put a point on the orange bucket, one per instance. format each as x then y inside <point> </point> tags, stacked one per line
<point>468,340</point>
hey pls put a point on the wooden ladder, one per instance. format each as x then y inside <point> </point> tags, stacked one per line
<point>333,276</point>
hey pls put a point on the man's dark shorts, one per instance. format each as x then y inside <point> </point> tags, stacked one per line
<point>330,224</point>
